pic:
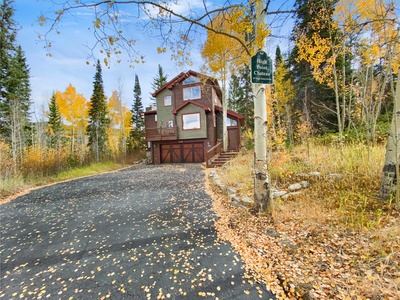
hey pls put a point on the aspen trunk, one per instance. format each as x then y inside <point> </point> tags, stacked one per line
<point>390,177</point>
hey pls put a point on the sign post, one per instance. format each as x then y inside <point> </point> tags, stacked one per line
<point>261,74</point>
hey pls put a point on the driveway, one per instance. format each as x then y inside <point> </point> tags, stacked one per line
<point>144,232</point>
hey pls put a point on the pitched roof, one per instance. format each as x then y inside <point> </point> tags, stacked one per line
<point>150,112</point>
<point>182,76</point>
<point>175,111</point>
<point>230,113</point>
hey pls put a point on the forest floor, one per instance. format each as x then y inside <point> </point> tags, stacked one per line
<point>333,240</point>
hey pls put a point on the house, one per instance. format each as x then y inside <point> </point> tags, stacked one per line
<point>187,126</point>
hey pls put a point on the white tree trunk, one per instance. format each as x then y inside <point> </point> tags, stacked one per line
<point>390,177</point>
<point>262,190</point>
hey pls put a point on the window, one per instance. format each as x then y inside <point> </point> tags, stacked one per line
<point>190,80</point>
<point>155,117</point>
<point>169,124</point>
<point>191,93</point>
<point>167,100</point>
<point>231,122</point>
<point>191,121</point>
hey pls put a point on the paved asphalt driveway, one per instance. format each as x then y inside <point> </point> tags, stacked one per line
<point>141,233</point>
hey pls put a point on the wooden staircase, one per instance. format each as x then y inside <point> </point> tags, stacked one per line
<point>222,159</point>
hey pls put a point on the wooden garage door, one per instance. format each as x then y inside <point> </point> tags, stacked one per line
<point>182,153</point>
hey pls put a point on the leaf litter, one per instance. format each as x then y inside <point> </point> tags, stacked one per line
<point>312,256</point>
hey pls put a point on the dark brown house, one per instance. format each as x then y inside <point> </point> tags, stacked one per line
<point>187,126</point>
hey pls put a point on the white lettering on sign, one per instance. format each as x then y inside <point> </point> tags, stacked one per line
<point>262,73</point>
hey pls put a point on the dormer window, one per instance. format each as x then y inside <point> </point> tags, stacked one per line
<point>192,93</point>
<point>191,80</point>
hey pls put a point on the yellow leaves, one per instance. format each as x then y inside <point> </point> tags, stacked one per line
<point>42,20</point>
<point>319,53</point>
<point>224,47</point>
<point>96,23</point>
<point>119,116</point>
<point>379,31</point>
<point>73,108</point>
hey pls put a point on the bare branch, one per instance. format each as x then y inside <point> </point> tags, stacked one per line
<point>107,33</point>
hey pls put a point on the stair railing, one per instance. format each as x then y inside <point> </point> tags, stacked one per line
<point>212,153</point>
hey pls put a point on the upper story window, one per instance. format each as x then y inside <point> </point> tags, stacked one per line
<point>190,80</point>
<point>191,93</point>
<point>231,122</point>
<point>169,124</point>
<point>191,121</point>
<point>167,100</point>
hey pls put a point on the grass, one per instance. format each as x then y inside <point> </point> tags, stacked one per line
<point>13,185</point>
<point>340,223</point>
<point>353,196</point>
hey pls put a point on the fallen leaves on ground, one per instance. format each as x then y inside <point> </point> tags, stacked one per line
<point>312,256</point>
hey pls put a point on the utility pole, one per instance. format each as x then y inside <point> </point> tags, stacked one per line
<point>262,193</point>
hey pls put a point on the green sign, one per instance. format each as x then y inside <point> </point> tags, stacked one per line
<point>261,68</point>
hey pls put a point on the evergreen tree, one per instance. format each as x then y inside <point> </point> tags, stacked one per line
<point>136,135</point>
<point>235,95</point>
<point>240,98</point>
<point>98,122</point>
<point>15,104</point>
<point>8,32</point>
<point>159,81</point>
<point>54,124</point>
<point>314,100</point>
<point>278,56</point>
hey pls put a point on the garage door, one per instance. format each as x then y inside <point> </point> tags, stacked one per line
<point>182,153</point>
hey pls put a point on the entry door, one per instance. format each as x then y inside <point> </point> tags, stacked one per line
<point>233,139</point>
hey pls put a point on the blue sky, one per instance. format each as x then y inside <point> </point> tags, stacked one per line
<point>69,56</point>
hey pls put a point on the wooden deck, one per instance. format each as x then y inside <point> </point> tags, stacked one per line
<point>161,134</point>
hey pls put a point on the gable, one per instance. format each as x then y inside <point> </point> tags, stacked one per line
<point>186,79</point>
<point>191,79</point>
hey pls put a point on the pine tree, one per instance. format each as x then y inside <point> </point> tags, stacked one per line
<point>16,127</point>
<point>54,124</point>
<point>159,81</point>
<point>98,122</point>
<point>235,95</point>
<point>8,32</point>
<point>311,95</point>
<point>278,56</point>
<point>136,135</point>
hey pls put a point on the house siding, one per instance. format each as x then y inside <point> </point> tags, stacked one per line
<point>150,120</point>
<point>206,99</point>
<point>164,113</point>
<point>195,133</point>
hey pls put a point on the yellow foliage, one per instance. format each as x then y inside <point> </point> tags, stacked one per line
<point>319,52</point>
<point>380,33</point>
<point>44,161</point>
<point>226,45</point>
<point>6,162</point>
<point>284,87</point>
<point>120,117</point>
<point>74,112</point>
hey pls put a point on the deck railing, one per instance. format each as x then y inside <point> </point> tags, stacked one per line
<point>161,134</point>
<point>213,152</point>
